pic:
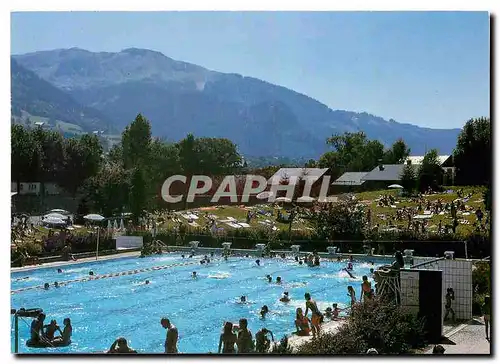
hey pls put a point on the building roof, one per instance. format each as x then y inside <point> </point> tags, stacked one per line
<point>350,179</point>
<point>285,173</point>
<point>390,172</point>
<point>417,159</point>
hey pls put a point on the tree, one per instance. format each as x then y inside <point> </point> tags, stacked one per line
<point>136,142</point>
<point>472,155</point>
<point>408,178</point>
<point>108,190</point>
<point>23,152</point>
<point>82,161</point>
<point>430,173</point>
<point>398,153</point>
<point>345,219</point>
<point>137,194</point>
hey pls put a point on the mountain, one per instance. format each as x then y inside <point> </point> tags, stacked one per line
<point>36,97</point>
<point>179,97</point>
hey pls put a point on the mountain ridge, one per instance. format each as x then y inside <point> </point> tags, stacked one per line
<point>180,97</point>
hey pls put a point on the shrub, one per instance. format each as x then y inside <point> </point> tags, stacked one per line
<point>481,283</point>
<point>378,324</point>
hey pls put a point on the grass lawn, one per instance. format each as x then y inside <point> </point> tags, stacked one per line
<point>369,198</point>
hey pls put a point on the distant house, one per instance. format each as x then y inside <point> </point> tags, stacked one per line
<point>388,173</point>
<point>350,179</point>
<point>446,162</point>
<point>34,188</point>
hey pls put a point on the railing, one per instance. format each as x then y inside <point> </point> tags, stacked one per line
<point>428,262</point>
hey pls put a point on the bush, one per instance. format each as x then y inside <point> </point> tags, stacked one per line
<point>379,324</point>
<point>481,283</point>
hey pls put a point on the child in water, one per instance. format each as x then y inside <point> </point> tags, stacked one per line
<point>285,297</point>
<point>263,311</point>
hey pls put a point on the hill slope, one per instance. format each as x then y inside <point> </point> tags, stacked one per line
<point>37,97</point>
<point>178,98</point>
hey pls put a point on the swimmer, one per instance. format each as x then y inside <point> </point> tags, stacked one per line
<point>205,257</point>
<point>147,281</point>
<point>202,262</point>
<point>59,270</point>
<point>56,284</point>
<point>91,273</point>
<point>191,256</point>
<point>46,286</point>
<point>243,299</point>
<point>296,258</point>
<point>258,262</point>
<point>263,311</point>
<point>194,275</point>
<point>300,262</point>
<point>350,274</point>
<point>182,256</point>
<point>283,256</point>
<point>22,279</point>
<point>208,260</point>
<point>372,271</point>
<point>262,342</point>
<point>247,256</point>
<point>349,266</point>
<point>335,311</point>
<point>278,280</point>
<point>211,254</point>
<point>285,297</point>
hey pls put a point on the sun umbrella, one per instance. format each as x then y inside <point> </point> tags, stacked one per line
<point>109,226</point>
<point>55,216</point>
<point>94,217</point>
<point>54,221</point>
<point>122,226</point>
<point>59,211</point>
<point>395,186</point>
<point>264,195</point>
<point>115,224</point>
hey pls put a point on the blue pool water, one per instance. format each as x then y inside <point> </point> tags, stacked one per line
<point>102,310</point>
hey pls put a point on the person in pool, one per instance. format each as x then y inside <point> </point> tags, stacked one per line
<point>366,290</point>
<point>120,346</point>
<point>301,323</point>
<point>194,275</point>
<point>172,336</point>
<point>65,338</point>
<point>262,342</point>
<point>37,329</point>
<point>147,281</point>
<point>258,262</point>
<point>285,298</point>
<point>46,286</point>
<point>349,266</point>
<point>243,299</point>
<point>56,284</point>
<point>91,273</point>
<point>244,342</point>
<point>269,278</point>
<point>263,311</point>
<point>316,314</point>
<point>211,254</point>
<point>350,274</point>
<point>352,294</point>
<point>335,311</point>
<point>227,339</point>
<point>278,280</point>
<point>372,272</point>
<point>59,270</point>
<point>225,257</point>
<point>301,262</point>
<point>50,330</point>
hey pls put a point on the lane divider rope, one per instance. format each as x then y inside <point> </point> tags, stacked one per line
<point>108,275</point>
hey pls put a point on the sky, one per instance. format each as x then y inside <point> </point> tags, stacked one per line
<point>430,69</point>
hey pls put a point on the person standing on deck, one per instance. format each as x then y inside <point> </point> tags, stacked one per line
<point>172,336</point>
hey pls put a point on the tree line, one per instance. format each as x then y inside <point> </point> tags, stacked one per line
<point>130,175</point>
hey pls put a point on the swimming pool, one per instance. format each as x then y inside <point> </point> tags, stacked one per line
<point>102,310</point>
